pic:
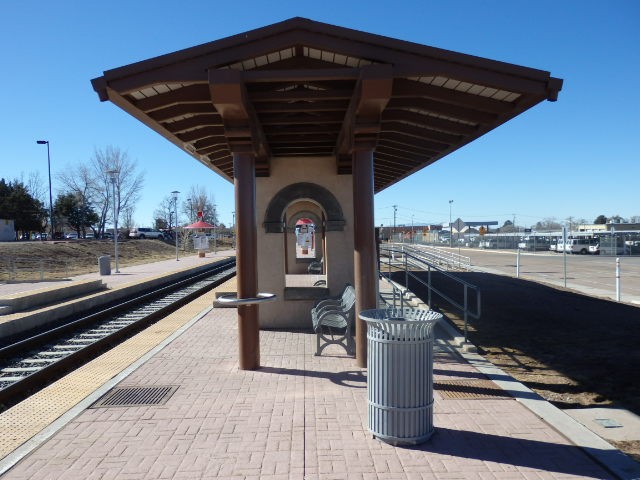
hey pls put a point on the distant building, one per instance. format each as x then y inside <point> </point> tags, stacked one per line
<point>608,227</point>
<point>7,230</point>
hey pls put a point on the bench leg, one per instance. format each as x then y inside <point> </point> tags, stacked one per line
<point>344,340</point>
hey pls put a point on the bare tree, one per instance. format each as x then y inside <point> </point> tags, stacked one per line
<point>36,187</point>
<point>548,224</point>
<point>128,182</point>
<point>92,183</point>
<point>163,215</point>
<point>199,200</point>
<point>127,217</point>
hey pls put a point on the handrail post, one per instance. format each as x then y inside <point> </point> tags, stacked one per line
<point>429,284</point>
<point>406,272</point>
<point>466,310</point>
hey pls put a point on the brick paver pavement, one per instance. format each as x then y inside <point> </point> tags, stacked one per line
<point>299,416</point>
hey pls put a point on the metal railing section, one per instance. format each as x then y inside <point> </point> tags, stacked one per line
<point>25,269</point>
<point>402,259</point>
<point>435,255</point>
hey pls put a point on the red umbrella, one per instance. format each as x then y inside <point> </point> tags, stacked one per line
<point>200,225</point>
<point>304,221</point>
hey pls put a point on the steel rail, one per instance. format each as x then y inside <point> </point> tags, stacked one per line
<point>119,321</point>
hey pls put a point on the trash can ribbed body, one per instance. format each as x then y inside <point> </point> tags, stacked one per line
<point>104,264</point>
<point>400,373</point>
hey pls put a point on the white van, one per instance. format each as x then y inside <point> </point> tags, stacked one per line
<point>577,245</point>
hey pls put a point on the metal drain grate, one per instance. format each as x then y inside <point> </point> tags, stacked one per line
<point>470,389</point>
<point>135,397</point>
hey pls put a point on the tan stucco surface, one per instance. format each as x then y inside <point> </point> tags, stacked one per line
<point>271,251</point>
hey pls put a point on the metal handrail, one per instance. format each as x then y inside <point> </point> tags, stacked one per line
<point>415,261</point>
<point>437,255</point>
<point>233,300</point>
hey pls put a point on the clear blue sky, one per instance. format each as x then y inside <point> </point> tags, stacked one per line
<point>577,157</point>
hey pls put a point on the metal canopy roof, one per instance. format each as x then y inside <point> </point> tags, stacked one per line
<point>303,88</point>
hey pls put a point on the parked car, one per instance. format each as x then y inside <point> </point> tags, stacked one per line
<point>143,232</point>
<point>71,236</point>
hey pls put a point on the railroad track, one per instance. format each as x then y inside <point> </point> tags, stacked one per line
<point>33,362</point>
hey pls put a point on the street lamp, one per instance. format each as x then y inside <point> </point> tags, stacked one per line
<point>233,233</point>
<point>215,240</point>
<point>113,174</point>
<point>46,142</point>
<point>175,210</point>
<point>450,226</point>
<point>395,209</point>
<point>412,228</point>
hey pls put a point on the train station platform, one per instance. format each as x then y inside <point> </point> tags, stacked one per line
<point>128,274</point>
<point>298,417</point>
<point>25,306</point>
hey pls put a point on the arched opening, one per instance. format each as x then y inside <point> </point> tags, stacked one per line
<point>305,231</point>
<point>305,260</point>
<point>304,244</point>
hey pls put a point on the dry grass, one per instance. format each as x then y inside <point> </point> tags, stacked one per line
<point>32,261</point>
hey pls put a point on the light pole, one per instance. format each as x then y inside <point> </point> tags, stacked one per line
<point>215,239</point>
<point>412,228</point>
<point>233,232</point>
<point>46,142</point>
<point>175,211</point>
<point>113,174</point>
<point>450,226</point>
<point>395,209</point>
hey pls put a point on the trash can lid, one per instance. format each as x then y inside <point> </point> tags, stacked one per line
<point>406,314</point>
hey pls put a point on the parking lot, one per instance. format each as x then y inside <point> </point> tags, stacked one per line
<point>592,275</point>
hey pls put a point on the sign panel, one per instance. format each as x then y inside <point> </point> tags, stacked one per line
<point>459,225</point>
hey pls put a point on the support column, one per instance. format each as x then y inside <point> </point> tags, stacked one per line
<point>364,260</point>
<point>244,166</point>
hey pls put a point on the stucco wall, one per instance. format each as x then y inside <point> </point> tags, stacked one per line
<point>271,254</point>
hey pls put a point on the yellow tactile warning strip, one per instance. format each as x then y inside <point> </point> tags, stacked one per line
<point>470,389</point>
<point>26,419</point>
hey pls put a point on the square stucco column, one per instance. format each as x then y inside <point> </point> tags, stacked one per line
<point>244,167</point>
<point>365,274</point>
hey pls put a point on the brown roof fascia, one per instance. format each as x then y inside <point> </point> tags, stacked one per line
<point>193,61</point>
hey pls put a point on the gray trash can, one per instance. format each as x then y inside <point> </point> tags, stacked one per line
<point>400,373</point>
<point>104,263</point>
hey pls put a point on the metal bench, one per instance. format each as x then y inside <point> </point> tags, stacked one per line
<point>316,267</point>
<point>333,320</point>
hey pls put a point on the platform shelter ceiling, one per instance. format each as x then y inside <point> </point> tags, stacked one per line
<point>304,88</point>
